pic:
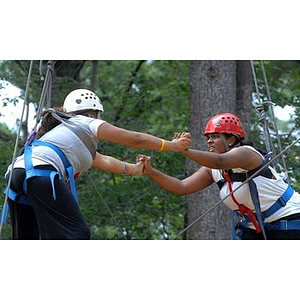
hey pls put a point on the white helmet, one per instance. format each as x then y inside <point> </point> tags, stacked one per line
<point>82,99</point>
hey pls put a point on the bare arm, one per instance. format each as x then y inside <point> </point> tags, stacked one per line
<point>194,183</point>
<point>239,157</point>
<point>136,139</point>
<point>111,164</point>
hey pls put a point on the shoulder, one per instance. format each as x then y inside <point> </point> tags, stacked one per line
<point>94,125</point>
<point>245,158</point>
<point>247,150</point>
<point>252,149</point>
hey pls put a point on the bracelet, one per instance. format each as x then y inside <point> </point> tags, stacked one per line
<point>125,169</point>
<point>163,145</point>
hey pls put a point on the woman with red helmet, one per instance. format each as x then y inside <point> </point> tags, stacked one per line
<point>267,206</point>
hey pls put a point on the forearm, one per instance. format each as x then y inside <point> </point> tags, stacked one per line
<point>168,183</point>
<point>146,141</point>
<point>207,159</point>
<point>111,164</point>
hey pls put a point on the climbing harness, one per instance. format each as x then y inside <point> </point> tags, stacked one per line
<point>243,209</point>
<point>281,202</point>
<point>233,191</point>
<point>244,213</point>
<point>32,141</point>
<point>31,171</point>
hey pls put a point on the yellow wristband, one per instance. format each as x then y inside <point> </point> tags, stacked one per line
<point>163,145</point>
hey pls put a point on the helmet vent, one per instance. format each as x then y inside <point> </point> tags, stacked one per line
<point>82,99</point>
<point>224,123</point>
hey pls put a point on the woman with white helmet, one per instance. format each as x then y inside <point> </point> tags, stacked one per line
<point>42,195</point>
<point>268,207</point>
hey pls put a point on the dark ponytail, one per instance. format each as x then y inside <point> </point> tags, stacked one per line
<point>48,121</point>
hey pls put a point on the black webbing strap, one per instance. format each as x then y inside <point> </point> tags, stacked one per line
<point>256,203</point>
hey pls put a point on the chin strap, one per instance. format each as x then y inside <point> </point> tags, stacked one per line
<point>224,142</point>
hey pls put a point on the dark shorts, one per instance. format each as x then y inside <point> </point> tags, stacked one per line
<point>251,234</point>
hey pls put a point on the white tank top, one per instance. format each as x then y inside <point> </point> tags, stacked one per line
<point>269,190</point>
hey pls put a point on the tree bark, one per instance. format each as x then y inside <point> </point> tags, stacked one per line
<point>244,93</point>
<point>94,75</point>
<point>215,88</point>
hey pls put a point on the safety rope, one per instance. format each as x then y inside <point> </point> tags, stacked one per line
<point>261,109</point>
<point>46,92</point>
<point>233,191</point>
<point>263,120</point>
<point>16,145</point>
<point>273,116</point>
<point>107,207</point>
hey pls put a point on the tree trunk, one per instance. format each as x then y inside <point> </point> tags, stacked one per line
<point>213,90</point>
<point>94,75</point>
<point>244,93</point>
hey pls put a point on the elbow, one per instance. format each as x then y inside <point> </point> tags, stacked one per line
<point>180,190</point>
<point>218,163</point>
<point>136,140</point>
<point>180,193</point>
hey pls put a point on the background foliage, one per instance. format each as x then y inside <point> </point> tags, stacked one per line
<point>152,97</point>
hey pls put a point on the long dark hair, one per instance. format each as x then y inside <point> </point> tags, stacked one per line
<point>48,121</point>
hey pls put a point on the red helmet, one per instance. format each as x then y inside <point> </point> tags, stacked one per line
<point>225,123</point>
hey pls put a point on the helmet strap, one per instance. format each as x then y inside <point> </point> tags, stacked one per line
<point>99,113</point>
<point>224,140</point>
<point>87,112</point>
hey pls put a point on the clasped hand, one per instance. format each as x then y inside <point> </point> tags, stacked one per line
<point>182,140</point>
<point>143,162</point>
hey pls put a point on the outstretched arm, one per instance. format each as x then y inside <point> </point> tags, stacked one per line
<point>194,183</point>
<point>240,157</point>
<point>111,164</point>
<point>135,139</point>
